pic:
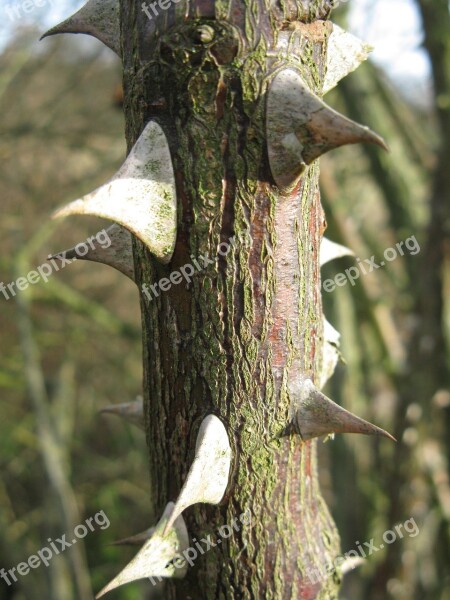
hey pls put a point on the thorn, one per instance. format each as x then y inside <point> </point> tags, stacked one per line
<point>119,254</point>
<point>351,563</point>
<point>300,128</point>
<point>330,251</point>
<point>345,53</point>
<point>141,196</point>
<point>98,18</point>
<point>133,412</point>
<point>136,540</point>
<point>207,479</point>
<point>330,359</point>
<point>159,556</point>
<point>330,352</point>
<point>330,334</point>
<point>317,415</point>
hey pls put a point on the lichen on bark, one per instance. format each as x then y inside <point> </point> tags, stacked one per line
<point>229,342</point>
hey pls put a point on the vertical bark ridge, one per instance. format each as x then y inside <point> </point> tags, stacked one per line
<point>228,342</point>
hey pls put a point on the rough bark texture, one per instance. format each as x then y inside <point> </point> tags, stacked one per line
<point>230,341</point>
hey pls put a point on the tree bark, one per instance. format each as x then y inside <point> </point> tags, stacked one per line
<point>228,342</point>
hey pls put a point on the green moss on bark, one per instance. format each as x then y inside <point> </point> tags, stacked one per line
<point>228,342</point>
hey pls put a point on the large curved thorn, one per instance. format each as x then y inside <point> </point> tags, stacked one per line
<point>345,53</point>
<point>133,412</point>
<point>141,196</point>
<point>207,479</point>
<point>331,251</point>
<point>159,557</point>
<point>118,254</point>
<point>316,415</point>
<point>99,18</point>
<point>300,128</point>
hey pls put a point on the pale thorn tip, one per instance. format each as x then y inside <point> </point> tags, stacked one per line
<point>97,18</point>
<point>331,335</point>
<point>135,540</point>
<point>207,478</point>
<point>331,251</point>
<point>159,556</point>
<point>345,54</point>
<point>118,254</point>
<point>330,352</point>
<point>133,412</point>
<point>141,196</point>
<point>351,563</point>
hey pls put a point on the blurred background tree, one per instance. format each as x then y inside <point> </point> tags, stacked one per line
<point>72,346</point>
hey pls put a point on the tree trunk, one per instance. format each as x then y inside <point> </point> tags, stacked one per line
<point>222,104</point>
<point>228,342</point>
